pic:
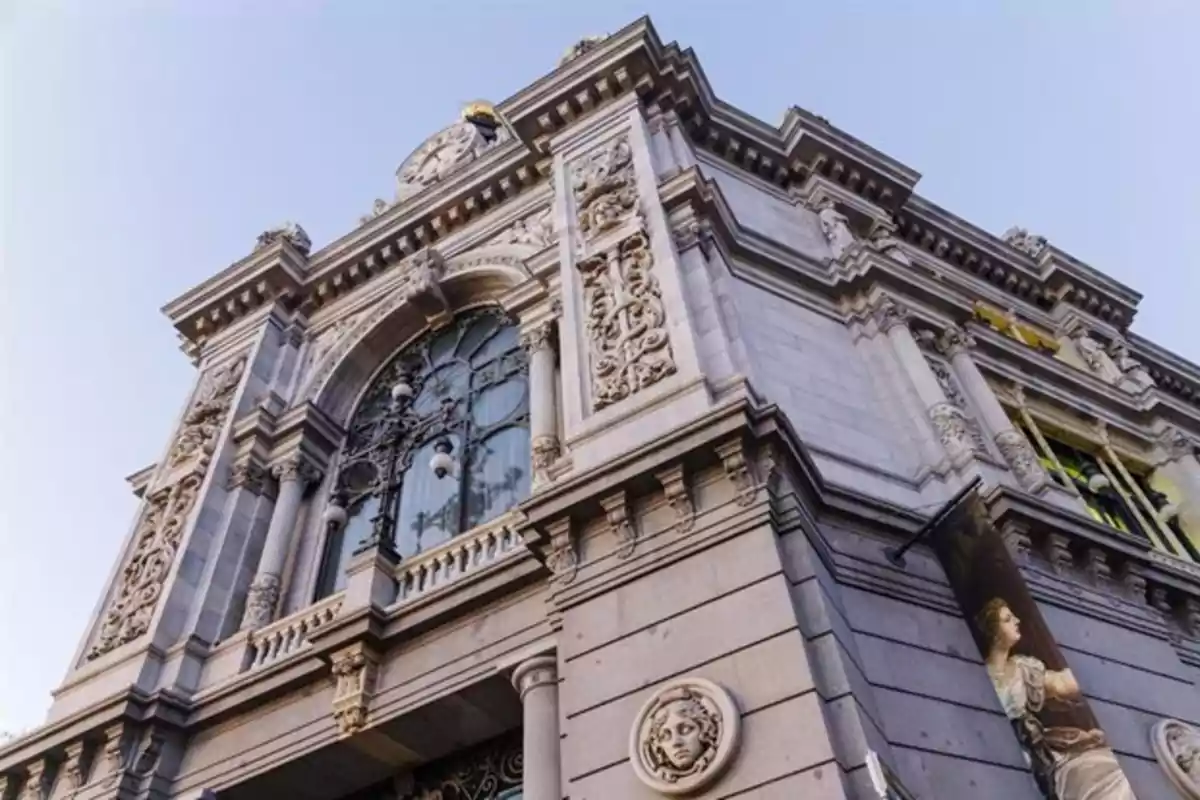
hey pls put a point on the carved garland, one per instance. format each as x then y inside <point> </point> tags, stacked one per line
<point>625,322</point>
<point>160,531</point>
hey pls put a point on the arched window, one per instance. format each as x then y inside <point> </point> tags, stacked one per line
<point>460,391</point>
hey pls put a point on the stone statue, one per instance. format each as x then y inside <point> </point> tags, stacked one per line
<point>1029,244</point>
<point>1136,378</point>
<point>835,226</point>
<point>290,231</point>
<point>684,736</point>
<point>882,241</point>
<point>582,47</point>
<point>1092,353</point>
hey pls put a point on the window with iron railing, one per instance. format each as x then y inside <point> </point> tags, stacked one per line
<point>1115,493</point>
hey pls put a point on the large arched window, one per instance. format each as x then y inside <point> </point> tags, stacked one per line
<point>459,391</point>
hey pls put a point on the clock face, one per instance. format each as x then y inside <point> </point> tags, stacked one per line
<point>437,157</point>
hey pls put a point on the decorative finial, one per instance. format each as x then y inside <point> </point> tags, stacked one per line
<point>1026,242</point>
<point>290,231</point>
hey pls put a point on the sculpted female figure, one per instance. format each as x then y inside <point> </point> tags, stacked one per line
<point>1068,762</point>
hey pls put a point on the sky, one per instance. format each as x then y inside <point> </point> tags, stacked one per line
<point>146,144</point>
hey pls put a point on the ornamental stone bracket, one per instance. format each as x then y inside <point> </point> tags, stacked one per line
<point>685,736</point>
<point>675,492</point>
<point>354,671</point>
<point>422,283</point>
<point>738,470</point>
<point>620,523</point>
<point>557,546</point>
<point>1176,746</point>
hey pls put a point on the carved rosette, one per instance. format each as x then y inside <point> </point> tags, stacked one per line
<point>685,736</point>
<point>952,430</point>
<point>603,185</point>
<point>1021,459</point>
<point>625,321</point>
<point>1176,745</point>
<point>354,673</point>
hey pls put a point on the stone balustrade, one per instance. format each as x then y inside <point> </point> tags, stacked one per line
<point>291,634</point>
<point>448,563</point>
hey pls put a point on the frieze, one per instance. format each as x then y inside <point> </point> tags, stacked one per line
<point>625,321</point>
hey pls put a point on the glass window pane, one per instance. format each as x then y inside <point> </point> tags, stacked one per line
<point>429,510</point>
<point>448,382</point>
<point>504,340</point>
<point>499,403</point>
<point>343,544</point>
<point>499,475</point>
<point>479,330</point>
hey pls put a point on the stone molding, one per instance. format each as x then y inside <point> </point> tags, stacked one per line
<point>702,724</point>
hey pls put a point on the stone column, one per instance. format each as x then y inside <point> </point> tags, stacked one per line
<point>537,681</point>
<point>543,412</point>
<point>956,343</point>
<point>294,475</point>
<point>947,419</point>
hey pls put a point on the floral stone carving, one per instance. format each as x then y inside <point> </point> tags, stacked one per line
<point>625,321</point>
<point>685,736</point>
<point>952,430</point>
<point>603,182</point>
<point>140,584</point>
<point>204,417</point>
<point>1176,745</point>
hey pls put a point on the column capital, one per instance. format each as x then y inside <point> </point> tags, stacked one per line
<point>888,314</point>
<point>955,340</point>
<point>537,671</point>
<point>296,467</point>
<point>538,335</point>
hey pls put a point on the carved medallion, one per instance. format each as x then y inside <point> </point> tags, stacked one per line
<point>685,736</point>
<point>1176,745</point>
<point>626,324</point>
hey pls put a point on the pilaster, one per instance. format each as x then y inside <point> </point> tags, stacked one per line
<point>630,367</point>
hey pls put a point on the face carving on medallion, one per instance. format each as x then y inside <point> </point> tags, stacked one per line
<point>684,736</point>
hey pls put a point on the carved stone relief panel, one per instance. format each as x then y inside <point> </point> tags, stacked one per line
<point>629,347</point>
<point>685,736</point>
<point>1176,745</point>
<point>535,230</point>
<point>159,532</point>
<point>604,189</point>
<point>954,394</point>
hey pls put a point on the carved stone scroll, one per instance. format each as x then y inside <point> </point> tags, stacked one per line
<point>625,321</point>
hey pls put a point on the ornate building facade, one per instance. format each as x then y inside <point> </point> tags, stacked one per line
<point>573,471</point>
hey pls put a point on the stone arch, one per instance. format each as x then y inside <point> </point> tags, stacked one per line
<point>478,277</point>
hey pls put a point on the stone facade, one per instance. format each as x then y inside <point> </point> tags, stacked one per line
<point>748,360</point>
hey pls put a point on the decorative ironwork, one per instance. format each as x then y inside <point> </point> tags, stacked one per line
<point>461,392</point>
<point>490,771</point>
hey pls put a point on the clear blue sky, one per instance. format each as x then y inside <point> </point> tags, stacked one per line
<point>146,145</point>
